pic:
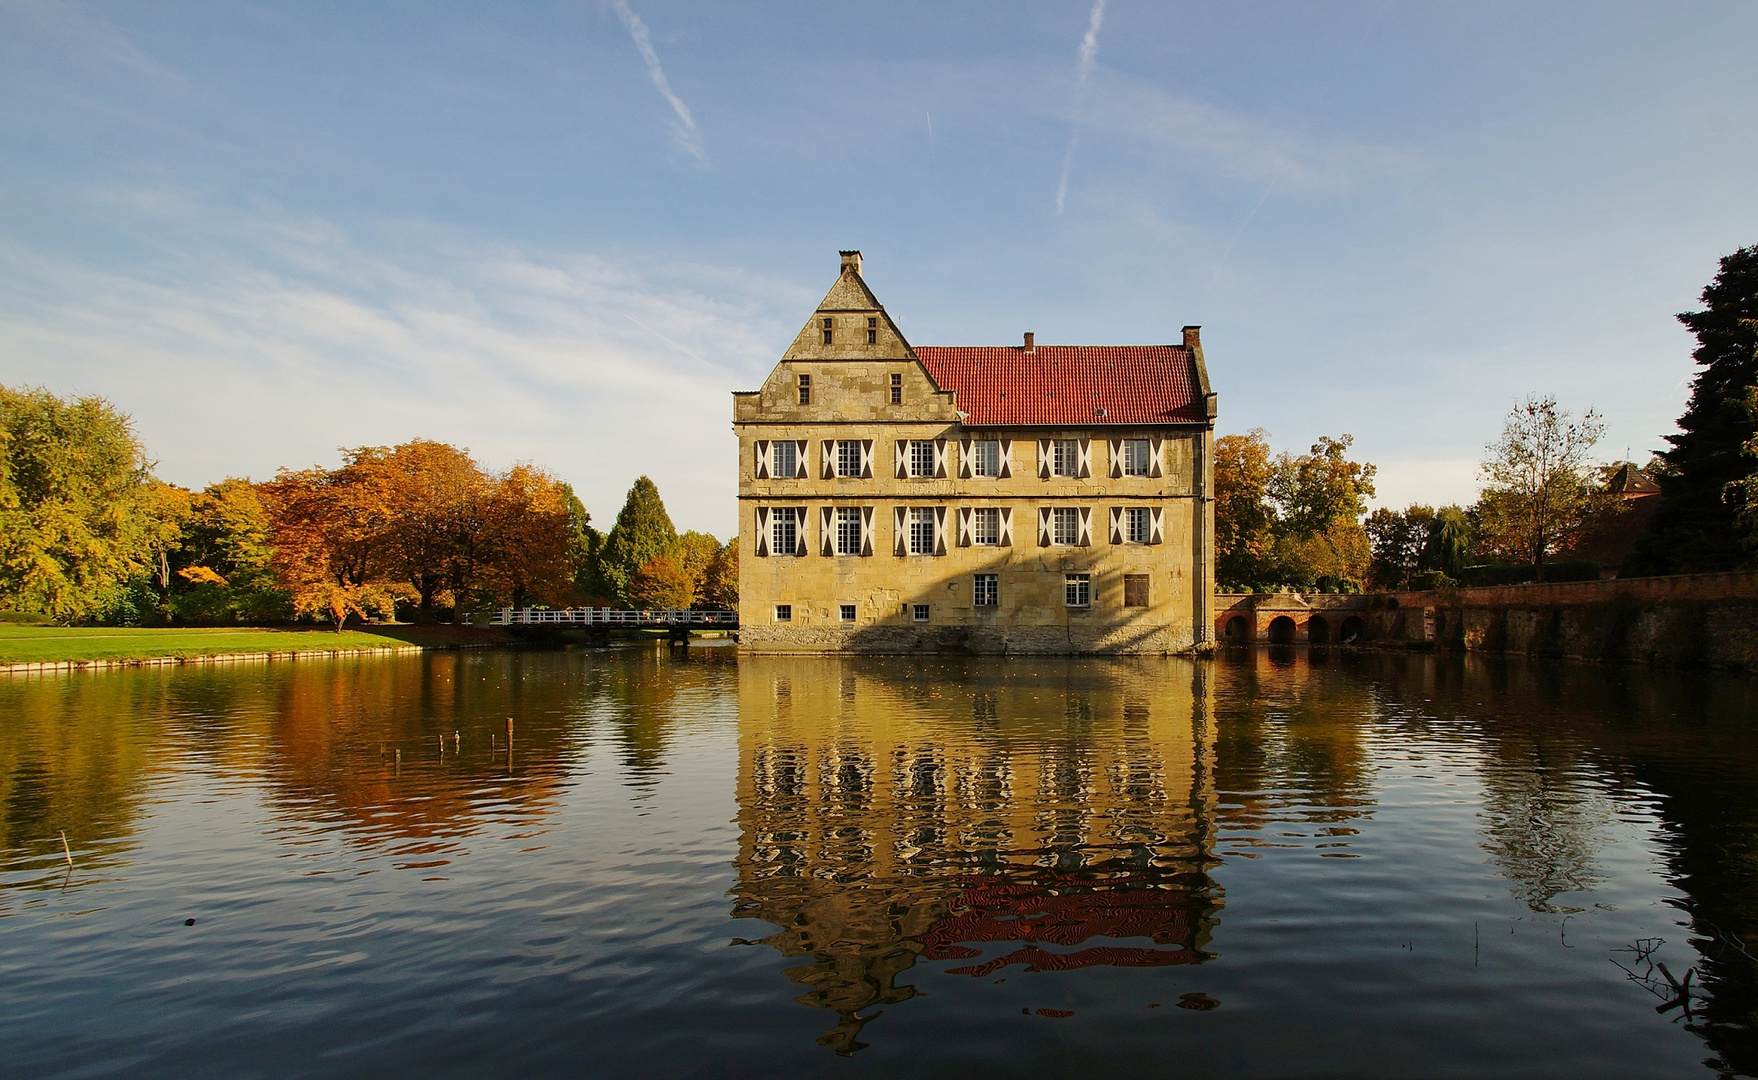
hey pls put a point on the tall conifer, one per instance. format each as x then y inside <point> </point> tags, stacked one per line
<point>1697,526</point>
<point>643,532</point>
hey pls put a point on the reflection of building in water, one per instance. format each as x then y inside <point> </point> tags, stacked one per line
<point>1053,815</point>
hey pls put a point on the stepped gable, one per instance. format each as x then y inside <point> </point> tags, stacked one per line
<point>1075,385</point>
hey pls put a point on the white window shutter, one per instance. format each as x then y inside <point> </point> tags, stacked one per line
<point>1157,526</point>
<point>800,530</point>
<point>1086,526</point>
<point>900,531</point>
<point>866,530</point>
<point>1116,449</point>
<point>801,470</point>
<point>1007,527</point>
<point>761,449</point>
<point>1043,526</point>
<point>964,459</point>
<point>1043,459</point>
<point>763,531</point>
<point>826,530</point>
<point>940,468</point>
<point>940,530</point>
<point>903,458</point>
<point>827,459</point>
<point>1086,458</point>
<point>1006,458</point>
<point>1117,524</point>
<point>866,459</point>
<point>964,527</point>
<point>1155,447</point>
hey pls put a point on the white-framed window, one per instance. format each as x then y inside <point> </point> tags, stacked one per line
<point>922,457</point>
<point>784,613</point>
<point>986,590</point>
<point>1137,524</point>
<point>1135,457</point>
<point>848,457</point>
<point>848,530</point>
<point>986,457</point>
<point>922,530</point>
<point>1065,525</point>
<point>986,527</point>
<point>782,462</point>
<point>1077,590</point>
<point>919,612</point>
<point>1065,457</point>
<point>847,612</point>
<point>784,530</point>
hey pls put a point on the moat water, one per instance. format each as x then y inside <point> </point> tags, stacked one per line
<point>1277,863</point>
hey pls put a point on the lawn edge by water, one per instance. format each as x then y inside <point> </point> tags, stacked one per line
<point>37,649</point>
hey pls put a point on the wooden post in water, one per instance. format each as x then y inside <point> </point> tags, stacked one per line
<point>65,850</point>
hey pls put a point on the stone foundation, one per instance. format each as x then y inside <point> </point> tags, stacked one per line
<point>974,640</point>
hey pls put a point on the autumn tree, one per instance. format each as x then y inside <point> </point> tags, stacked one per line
<point>330,553</point>
<point>720,582</point>
<point>696,552</point>
<point>1707,474</point>
<point>223,562</point>
<point>1539,492</point>
<point>642,533</point>
<point>80,512</point>
<point>1244,520</point>
<point>436,504</point>
<point>661,584</point>
<point>525,551</point>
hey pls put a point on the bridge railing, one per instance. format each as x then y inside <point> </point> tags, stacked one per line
<point>612,617</point>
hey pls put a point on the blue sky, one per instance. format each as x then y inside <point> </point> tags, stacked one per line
<point>270,230</point>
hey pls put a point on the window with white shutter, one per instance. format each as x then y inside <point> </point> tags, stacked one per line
<point>760,453</point>
<point>900,532</point>
<point>866,530</point>
<point>1006,459</point>
<point>964,527</point>
<point>784,531</point>
<point>1065,526</point>
<point>1044,526</point>
<point>1157,526</point>
<point>986,458</point>
<point>826,459</point>
<point>1006,528</point>
<point>1083,457</point>
<point>965,462</point>
<point>781,459</point>
<point>1086,527</point>
<point>923,459</point>
<point>986,527</point>
<point>903,458</point>
<point>939,530</point>
<point>1156,457</point>
<point>1116,448</point>
<point>800,535</point>
<point>922,530</point>
<point>801,470</point>
<point>1117,525</point>
<point>1136,527</point>
<point>1065,457</point>
<point>762,532</point>
<point>1136,457</point>
<point>850,532</point>
<point>940,462</point>
<point>826,531</point>
<point>866,459</point>
<point>1044,459</point>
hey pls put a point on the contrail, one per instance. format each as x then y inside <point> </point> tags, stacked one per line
<point>688,138</point>
<point>1086,59</point>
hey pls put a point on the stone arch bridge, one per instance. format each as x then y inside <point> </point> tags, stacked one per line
<point>1290,618</point>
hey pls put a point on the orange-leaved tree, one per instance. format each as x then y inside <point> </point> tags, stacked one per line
<point>330,551</point>
<point>661,583</point>
<point>527,545</point>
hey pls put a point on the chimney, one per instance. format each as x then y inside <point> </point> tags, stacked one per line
<point>1029,339</point>
<point>1193,338</point>
<point>851,260</point>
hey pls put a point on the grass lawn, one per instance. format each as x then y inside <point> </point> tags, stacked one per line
<point>41,644</point>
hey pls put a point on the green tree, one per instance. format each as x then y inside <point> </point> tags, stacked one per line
<point>643,532</point>
<point>720,584</point>
<point>224,562</point>
<point>1540,492</point>
<point>1697,527</point>
<point>696,552</point>
<point>1316,489</point>
<point>1448,548</point>
<point>1399,539</point>
<point>80,512</point>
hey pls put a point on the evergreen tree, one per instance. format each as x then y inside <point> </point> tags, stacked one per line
<point>1697,526</point>
<point>643,532</point>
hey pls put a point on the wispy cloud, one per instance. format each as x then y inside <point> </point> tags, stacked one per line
<point>1086,59</point>
<point>684,131</point>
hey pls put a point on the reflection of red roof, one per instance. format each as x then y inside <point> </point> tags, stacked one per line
<point>1069,384</point>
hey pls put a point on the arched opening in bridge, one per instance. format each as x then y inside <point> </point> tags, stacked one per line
<point>1282,630</point>
<point>1238,629</point>
<point>1318,631</point>
<point>1351,629</point>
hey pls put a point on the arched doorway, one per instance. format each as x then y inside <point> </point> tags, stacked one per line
<point>1318,631</point>
<point>1238,630</point>
<point>1282,630</point>
<point>1351,629</point>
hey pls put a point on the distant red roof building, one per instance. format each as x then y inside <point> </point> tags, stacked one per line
<point>1070,384</point>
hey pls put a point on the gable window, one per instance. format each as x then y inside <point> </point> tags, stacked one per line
<point>919,612</point>
<point>806,385</point>
<point>922,530</point>
<point>1135,525</point>
<point>922,457</point>
<point>986,590</point>
<point>848,457</point>
<point>986,458</point>
<point>1135,590</point>
<point>897,389</point>
<point>986,527</point>
<point>825,326</point>
<point>872,331</point>
<point>784,531</point>
<point>1135,457</point>
<point>1077,590</point>
<point>781,457</point>
<point>847,612</point>
<point>784,613</point>
<point>848,530</point>
<point>1065,526</point>
<point>1066,458</point>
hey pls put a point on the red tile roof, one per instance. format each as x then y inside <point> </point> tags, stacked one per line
<point>1069,384</point>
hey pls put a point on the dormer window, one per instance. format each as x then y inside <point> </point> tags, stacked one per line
<point>897,389</point>
<point>872,331</point>
<point>827,331</point>
<point>806,380</point>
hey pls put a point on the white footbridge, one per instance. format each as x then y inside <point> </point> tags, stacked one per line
<point>666,619</point>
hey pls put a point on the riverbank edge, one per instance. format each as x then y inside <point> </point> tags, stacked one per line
<point>51,666</point>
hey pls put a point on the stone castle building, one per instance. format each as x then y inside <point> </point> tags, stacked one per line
<point>1022,499</point>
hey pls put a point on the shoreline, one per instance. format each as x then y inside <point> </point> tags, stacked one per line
<point>34,667</point>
